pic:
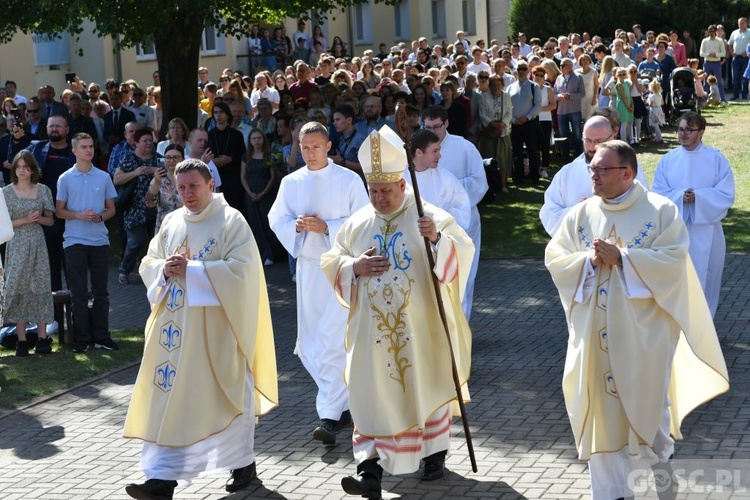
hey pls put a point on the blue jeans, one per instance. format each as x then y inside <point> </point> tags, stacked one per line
<point>137,237</point>
<point>714,68</point>
<point>739,64</point>
<point>569,126</point>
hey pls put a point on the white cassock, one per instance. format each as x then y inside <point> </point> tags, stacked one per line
<point>461,158</point>
<point>442,189</point>
<point>708,173</point>
<point>6,234</point>
<point>569,186</point>
<point>332,194</point>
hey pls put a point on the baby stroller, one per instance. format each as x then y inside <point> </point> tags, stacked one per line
<point>684,97</point>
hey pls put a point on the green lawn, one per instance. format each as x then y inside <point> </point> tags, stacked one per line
<point>511,227</point>
<point>23,379</point>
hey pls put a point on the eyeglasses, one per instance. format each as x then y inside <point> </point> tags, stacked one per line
<point>603,170</point>
<point>540,74</point>
<point>596,142</point>
<point>522,69</point>
<point>482,77</point>
<point>687,131</point>
<point>173,158</point>
<point>433,128</point>
<point>29,110</point>
<point>222,80</point>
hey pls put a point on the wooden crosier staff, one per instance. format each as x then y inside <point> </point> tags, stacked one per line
<point>402,127</point>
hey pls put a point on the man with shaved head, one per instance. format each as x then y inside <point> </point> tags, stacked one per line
<point>572,183</point>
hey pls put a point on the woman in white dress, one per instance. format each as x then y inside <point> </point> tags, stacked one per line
<point>590,84</point>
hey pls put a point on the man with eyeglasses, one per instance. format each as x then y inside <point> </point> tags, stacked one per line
<point>643,350</point>
<point>144,114</point>
<point>54,156</point>
<point>569,91</point>
<point>699,180</point>
<point>35,125</point>
<point>461,63</point>
<point>202,77</point>
<point>461,158</point>
<point>572,184</point>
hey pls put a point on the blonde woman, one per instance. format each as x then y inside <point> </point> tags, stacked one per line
<point>590,83</point>
<point>607,82</point>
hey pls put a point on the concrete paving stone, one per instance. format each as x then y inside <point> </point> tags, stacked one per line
<point>519,424</point>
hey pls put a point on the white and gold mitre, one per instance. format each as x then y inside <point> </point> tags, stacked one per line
<point>382,156</point>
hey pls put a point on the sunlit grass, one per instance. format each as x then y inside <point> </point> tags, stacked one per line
<point>23,379</point>
<point>511,227</point>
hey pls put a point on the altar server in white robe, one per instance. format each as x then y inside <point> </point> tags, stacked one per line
<point>642,349</point>
<point>209,365</point>
<point>462,159</point>
<point>312,204</point>
<point>436,185</point>
<point>572,184</point>
<point>699,180</point>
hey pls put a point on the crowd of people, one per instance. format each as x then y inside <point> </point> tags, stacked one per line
<point>294,150</point>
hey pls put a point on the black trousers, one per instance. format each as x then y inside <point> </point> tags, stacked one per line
<point>53,237</point>
<point>520,136</point>
<point>84,260</point>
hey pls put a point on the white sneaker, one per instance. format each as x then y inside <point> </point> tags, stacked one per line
<point>543,174</point>
<point>53,328</point>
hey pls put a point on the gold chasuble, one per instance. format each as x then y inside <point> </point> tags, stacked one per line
<point>191,382</point>
<point>620,370</point>
<point>398,363</point>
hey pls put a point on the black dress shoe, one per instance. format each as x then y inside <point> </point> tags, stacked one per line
<point>241,478</point>
<point>364,484</point>
<point>345,420</point>
<point>432,467</point>
<point>153,489</point>
<point>326,431</point>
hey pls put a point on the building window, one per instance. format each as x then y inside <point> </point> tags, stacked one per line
<point>401,17</point>
<point>145,52</point>
<point>212,42</point>
<point>468,9</point>
<point>362,24</point>
<point>438,18</point>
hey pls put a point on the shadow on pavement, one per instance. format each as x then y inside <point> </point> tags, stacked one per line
<point>257,492</point>
<point>29,429</point>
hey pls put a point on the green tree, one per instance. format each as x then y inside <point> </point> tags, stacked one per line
<point>174,26</point>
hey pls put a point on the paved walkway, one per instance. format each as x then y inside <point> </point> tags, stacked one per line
<point>70,446</point>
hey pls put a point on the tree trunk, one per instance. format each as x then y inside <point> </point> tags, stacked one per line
<point>177,52</point>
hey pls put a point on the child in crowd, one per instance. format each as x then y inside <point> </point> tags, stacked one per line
<point>714,95</point>
<point>655,111</point>
<point>624,106</point>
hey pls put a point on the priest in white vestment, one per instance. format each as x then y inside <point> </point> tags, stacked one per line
<point>401,391</point>
<point>572,184</point>
<point>311,205</point>
<point>642,348</point>
<point>436,185</point>
<point>462,159</point>
<point>209,366</point>
<point>698,179</point>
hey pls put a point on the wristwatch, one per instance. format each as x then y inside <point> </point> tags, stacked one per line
<point>101,218</point>
<point>325,231</point>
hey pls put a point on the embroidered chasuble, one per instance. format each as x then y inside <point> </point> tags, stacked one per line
<point>628,355</point>
<point>192,377</point>
<point>398,365</point>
